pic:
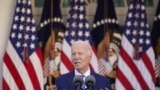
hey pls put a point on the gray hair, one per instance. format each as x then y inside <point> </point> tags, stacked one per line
<point>84,43</point>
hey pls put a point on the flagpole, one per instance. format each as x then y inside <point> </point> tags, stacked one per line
<point>52,42</point>
<point>106,32</point>
<point>25,51</point>
<point>136,44</point>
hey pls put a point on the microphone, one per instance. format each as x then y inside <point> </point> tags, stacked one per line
<point>77,81</point>
<point>90,82</point>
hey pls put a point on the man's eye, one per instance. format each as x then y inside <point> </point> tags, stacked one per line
<point>73,53</point>
<point>80,53</point>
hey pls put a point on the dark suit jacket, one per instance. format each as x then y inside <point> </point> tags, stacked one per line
<point>65,82</point>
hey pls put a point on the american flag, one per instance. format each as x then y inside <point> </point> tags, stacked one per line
<point>77,28</point>
<point>136,73</point>
<point>22,65</point>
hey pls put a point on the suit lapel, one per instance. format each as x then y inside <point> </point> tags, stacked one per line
<point>70,80</point>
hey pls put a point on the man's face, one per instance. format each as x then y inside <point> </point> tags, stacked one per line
<point>80,57</point>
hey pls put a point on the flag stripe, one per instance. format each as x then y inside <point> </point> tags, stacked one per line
<point>157,68</point>
<point>120,85</point>
<point>19,67</point>
<point>36,60</point>
<point>134,69</point>
<point>94,62</point>
<point>46,68</point>
<point>40,56</point>
<point>149,65</point>
<point>127,72</point>
<point>102,69</point>
<point>10,65</point>
<point>5,85</point>
<point>9,79</point>
<point>66,56</point>
<point>67,62</point>
<point>122,78</point>
<point>32,74</point>
<point>63,68</point>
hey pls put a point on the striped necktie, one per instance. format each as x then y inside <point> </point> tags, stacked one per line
<point>83,85</point>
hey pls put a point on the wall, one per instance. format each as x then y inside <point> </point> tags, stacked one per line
<point>7,10</point>
<point>90,10</point>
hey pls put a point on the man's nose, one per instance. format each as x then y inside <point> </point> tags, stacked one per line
<point>76,56</point>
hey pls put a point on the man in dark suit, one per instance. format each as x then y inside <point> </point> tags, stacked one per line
<point>81,55</point>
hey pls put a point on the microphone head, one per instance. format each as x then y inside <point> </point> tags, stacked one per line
<point>77,81</point>
<point>90,82</point>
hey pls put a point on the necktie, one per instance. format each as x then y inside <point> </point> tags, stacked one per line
<point>83,85</point>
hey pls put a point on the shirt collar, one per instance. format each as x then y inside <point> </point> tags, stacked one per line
<point>87,73</point>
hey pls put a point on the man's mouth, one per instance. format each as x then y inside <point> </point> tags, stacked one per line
<point>77,62</point>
